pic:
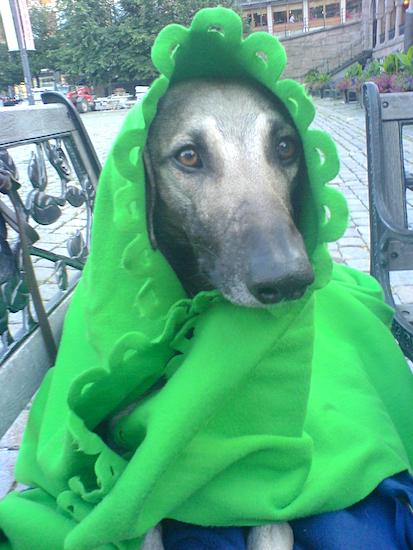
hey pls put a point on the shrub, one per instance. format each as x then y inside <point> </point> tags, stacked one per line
<point>344,84</point>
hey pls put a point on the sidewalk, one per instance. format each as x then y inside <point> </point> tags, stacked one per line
<point>346,125</point>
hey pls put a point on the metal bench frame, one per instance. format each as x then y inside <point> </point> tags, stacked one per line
<point>59,137</point>
<point>391,247</point>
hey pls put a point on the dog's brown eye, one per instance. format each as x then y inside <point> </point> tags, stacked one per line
<point>189,157</point>
<point>287,149</point>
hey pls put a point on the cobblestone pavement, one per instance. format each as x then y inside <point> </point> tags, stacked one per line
<point>346,124</point>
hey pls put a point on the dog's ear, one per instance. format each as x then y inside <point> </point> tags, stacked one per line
<point>150,193</point>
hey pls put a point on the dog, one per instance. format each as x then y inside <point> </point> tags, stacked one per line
<point>224,164</point>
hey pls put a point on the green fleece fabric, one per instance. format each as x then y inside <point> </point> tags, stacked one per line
<point>267,414</point>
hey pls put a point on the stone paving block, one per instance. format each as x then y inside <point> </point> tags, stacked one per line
<point>351,232</point>
<point>352,241</point>
<point>43,274</point>
<point>12,438</point>
<point>405,293</point>
<point>7,462</point>
<point>401,278</point>
<point>353,252</point>
<point>363,264</point>
<point>50,238</point>
<point>362,221</point>
<point>364,231</point>
<point>49,290</point>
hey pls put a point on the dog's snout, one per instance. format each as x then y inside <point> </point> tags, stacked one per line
<point>289,286</point>
<point>279,268</point>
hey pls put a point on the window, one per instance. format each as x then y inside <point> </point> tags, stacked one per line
<point>353,8</point>
<point>280,17</point>
<point>317,13</point>
<point>333,10</point>
<point>257,19</point>
<point>260,19</point>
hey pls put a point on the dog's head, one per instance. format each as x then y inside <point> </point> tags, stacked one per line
<point>224,162</point>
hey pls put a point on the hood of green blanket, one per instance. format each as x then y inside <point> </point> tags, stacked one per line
<point>214,47</point>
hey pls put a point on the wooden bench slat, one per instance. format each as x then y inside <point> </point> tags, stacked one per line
<point>45,121</point>
<point>22,373</point>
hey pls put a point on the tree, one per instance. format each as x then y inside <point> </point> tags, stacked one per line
<point>43,22</point>
<point>86,40</point>
<point>46,41</point>
<point>10,68</point>
<point>139,22</point>
<point>101,42</point>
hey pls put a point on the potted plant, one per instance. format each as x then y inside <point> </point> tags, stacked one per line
<point>351,83</point>
<point>311,81</point>
<point>324,80</point>
<point>344,85</point>
<point>317,82</point>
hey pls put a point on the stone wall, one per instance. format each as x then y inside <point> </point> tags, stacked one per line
<point>325,49</point>
<point>395,45</point>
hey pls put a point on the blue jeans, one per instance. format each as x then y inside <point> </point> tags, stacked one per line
<point>381,521</point>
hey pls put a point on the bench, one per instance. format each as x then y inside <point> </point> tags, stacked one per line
<point>388,117</point>
<point>37,272</point>
<point>60,145</point>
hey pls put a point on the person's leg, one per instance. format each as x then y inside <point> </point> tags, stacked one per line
<point>183,536</point>
<point>382,521</point>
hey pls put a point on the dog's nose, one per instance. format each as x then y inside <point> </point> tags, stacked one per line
<point>288,287</point>
<point>278,265</point>
<point>266,292</point>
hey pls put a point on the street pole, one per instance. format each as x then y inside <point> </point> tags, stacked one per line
<point>408,27</point>
<point>23,52</point>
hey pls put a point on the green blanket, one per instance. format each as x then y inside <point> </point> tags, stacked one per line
<point>267,414</point>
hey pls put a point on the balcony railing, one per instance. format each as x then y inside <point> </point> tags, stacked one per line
<point>287,28</point>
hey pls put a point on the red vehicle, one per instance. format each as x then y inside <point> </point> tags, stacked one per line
<point>82,97</point>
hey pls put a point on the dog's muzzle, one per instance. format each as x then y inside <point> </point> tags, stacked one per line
<point>279,268</point>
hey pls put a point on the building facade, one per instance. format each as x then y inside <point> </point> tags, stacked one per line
<point>382,21</point>
<point>281,17</point>
<point>385,25</point>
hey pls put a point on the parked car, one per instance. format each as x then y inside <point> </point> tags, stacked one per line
<point>7,101</point>
<point>83,98</point>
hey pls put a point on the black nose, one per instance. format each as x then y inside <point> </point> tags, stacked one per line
<point>266,293</point>
<point>288,287</point>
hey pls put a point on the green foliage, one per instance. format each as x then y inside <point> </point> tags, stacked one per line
<point>46,42</point>
<point>101,42</point>
<point>406,61</point>
<point>354,71</point>
<point>108,41</point>
<point>316,80</point>
<point>86,36</point>
<point>324,78</point>
<point>393,74</point>
<point>10,68</point>
<point>311,76</point>
<point>391,64</point>
<point>139,22</point>
<point>373,68</point>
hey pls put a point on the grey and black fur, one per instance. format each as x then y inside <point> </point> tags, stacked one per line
<point>227,220</point>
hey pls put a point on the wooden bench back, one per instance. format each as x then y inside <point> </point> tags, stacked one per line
<point>50,142</point>
<point>387,118</point>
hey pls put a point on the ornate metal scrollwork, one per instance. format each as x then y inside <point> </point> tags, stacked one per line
<point>56,184</point>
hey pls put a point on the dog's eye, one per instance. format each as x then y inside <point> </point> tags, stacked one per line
<point>189,157</point>
<point>287,149</point>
